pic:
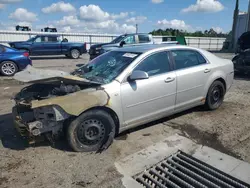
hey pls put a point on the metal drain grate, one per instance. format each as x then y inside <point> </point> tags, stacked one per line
<point>183,170</point>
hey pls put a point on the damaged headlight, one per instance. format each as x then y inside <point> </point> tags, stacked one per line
<point>50,113</point>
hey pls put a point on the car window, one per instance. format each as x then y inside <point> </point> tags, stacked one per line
<point>143,38</point>
<point>155,64</point>
<point>52,39</point>
<point>130,39</point>
<point>187,58</point>
<point>38,39</point>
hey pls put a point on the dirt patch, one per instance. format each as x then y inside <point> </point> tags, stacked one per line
<point>3,180</point>
<point>13,165</point>
<point>203,138</point>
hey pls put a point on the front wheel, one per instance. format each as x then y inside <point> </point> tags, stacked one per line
<point>75,53</point>
<point>215,95</point>
<point>8,68</point>
<point>94,130</point>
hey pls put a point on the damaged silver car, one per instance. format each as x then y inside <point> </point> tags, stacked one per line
<point>118,90</point>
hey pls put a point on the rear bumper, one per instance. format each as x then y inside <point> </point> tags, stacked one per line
<point>23,63</point>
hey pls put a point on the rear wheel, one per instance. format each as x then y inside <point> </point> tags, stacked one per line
<point>75,53</point>
<point>92,131</point>
<point>8,68</point>
<point>215,95</point>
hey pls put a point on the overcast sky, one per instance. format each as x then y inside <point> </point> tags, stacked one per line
<point>118,16</point>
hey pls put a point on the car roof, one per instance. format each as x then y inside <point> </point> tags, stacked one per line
<point>149,47</point>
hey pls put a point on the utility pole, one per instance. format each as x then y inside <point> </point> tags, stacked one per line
<point>248,17</point>
<point>235,19</point>
<point>136,25</point>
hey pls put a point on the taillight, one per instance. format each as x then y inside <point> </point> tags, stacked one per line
<point>85,45</point>
<point>26,54</point>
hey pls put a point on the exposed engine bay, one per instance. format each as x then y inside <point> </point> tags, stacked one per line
<point>53,98</point>
<point>46,119</point>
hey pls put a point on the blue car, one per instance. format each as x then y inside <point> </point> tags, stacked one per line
<point>12,60</point>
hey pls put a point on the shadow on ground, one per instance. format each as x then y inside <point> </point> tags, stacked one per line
<point>241,76</point>
<point>11,138</point>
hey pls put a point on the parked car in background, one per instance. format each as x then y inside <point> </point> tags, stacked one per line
<point>50,45</point>
<point>121,41</point>
<point>12,60</point>
<point>242,58</point>
<point>121,89</point>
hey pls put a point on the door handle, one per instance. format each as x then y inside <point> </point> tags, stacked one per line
<point>169,79</point>
<point>207,70</point>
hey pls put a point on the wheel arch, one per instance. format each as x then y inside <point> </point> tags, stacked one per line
<point>109,111</point>
<point>18,67</point>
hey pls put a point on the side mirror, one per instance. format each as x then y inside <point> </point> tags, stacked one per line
<point>138,75</point>
<point>122,43</point>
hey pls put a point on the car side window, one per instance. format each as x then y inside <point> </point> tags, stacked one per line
<point>143,38</point>
<point>187,58</point>
<point>52,39</point>
<point>155,64</point>
<point>129,39</point>
<point>38,39</point>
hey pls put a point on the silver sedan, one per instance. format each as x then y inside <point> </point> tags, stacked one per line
<point>122,89</point>
<point>150,82</point>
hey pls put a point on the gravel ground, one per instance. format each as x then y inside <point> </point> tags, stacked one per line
<point>42,165</point>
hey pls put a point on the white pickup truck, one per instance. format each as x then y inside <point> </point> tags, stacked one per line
<point>121,41</point>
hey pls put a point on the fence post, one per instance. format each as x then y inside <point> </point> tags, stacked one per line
<point>217,44</point>
<point>199,42</point>
<point>210,44</point>
<point>90,40</point>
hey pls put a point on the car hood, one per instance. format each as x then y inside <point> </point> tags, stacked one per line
<point>34,75</point>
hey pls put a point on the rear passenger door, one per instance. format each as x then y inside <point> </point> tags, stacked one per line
<point>192,72</point>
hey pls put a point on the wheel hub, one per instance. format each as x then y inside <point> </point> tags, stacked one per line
<point>91,132</point>
<point>8,68</point>
<point>75,53</point>
<point>216,95</point>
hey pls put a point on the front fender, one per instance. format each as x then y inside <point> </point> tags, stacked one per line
<point>76,103</point>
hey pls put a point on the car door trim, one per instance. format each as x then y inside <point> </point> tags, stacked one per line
<point>150,100</point>
<point>189,89</point>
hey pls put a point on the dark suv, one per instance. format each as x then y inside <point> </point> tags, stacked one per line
<point>242,58</point>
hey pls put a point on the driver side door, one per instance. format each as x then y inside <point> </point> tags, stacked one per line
<point>37,46</point>
<point>152,98</point>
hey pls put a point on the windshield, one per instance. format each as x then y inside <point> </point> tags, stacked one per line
<point>105,68</point>
<point>118,39</point>
<point>31,39</point>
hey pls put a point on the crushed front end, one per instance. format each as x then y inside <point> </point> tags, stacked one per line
<point>40,121</point>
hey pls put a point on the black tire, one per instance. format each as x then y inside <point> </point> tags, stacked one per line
<point>75,53</point>
<point>215,95</point>
<point>8,68</point>
<point>94,130</point>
